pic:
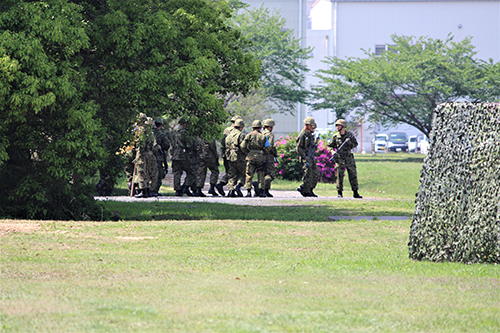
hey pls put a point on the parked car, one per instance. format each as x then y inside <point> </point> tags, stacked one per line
<point>398,141</point>
<point>422,139</point>
<point>380,143</point>
<point>412,143</point>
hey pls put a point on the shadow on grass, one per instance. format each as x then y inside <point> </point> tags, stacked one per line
<point>159,211</point>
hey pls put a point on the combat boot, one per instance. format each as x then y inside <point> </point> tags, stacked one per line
<point>269,195</point>
<point>356,195</point>
<point>220,188</point>
<point>153,193</point>
<point>231,194</point>
<point>186,191</point>
<point>256,189</point>
<point>340,194</point>
<point>301,190</point>
<point>238,190</point>
<point>249,194</point>
<point>262,194</point>
<point>143,193</point>
<point>211,191</point>
<point>178,193</point>
<point>199,193</point>
<point>311,194</point>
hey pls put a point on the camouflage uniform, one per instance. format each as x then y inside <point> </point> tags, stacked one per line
<point>236,159</point>
<point>161,153</point>
<point>146,172</point>
<point>270,156</point>
<point>256,146</point>
<point>344,160</point>
<point>208,159</point>
<point>311,171</point>
<point>224,156</point>
<point>182,146</point>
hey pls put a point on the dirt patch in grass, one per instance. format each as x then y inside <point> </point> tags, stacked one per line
<point>9,227</point>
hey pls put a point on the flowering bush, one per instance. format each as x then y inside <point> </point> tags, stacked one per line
<point>289,167</point>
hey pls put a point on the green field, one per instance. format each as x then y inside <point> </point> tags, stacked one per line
<point>206,267</point>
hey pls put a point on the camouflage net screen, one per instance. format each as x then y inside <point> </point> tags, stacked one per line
<point>457,210</point>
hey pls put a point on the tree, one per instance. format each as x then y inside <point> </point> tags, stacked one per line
<point>48,134</point>
<point>406,85</point>
<point>174,58</point>
<point>281,56</point>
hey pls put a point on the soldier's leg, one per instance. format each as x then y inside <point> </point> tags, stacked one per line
<point>339,174</point>
<point>213,166</point>
<point>270,174</point>
<point>353,174</point>
<point>201,174</point>
<point>177,173</point>
<point>306,179</point>
<point>152,171</point>
<point>159,167</point>
<point>250,171</point>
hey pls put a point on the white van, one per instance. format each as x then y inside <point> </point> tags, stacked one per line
<point>412,143</point>
<point>380,143</point>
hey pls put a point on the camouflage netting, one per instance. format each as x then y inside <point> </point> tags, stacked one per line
<point>457,210</point>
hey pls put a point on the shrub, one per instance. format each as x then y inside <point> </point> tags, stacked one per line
<point>289,167</point>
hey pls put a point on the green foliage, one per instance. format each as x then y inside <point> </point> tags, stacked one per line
<point>457,212</point>
<point>49,141</point>
<point>406,85</point>
<point>281,55</point>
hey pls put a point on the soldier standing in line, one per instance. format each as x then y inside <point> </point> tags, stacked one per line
<point>271,156</point>
<point>194,161</point>
<point>146,170</point>
<point>181,146</point>
<point>161,153</point>
<point>225,178</point>
<point>306,148</point>
<point>236,159</point>
<point>344,159</point>
<point>208,159</point>
<point>256,145</point>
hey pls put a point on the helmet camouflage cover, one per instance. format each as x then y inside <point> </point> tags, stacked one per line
<point>235,118</point>
<point>268,122</point>
<point>239,123</point>
<point>310,121</point>
<point>256,123</point>
<point>341,122</point>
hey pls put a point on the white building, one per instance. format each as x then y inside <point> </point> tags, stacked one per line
<point>343,28</point>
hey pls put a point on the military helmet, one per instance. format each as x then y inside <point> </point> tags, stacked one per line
<point>159,120</point>
<point>341,122</point>
<point>310,121</point>
<point>268,122</point>
<point>239,123</point>
<point>256,123</point>
<point>235,118</point>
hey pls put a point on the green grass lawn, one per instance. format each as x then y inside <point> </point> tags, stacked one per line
<point>202,267</point>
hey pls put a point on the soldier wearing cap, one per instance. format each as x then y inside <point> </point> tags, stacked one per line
<point>182,146</point>
<point>236,159</point>
<point>256,146</point>
<point>146,172</point>
<point>224,153</point>
<point>305,141</point>
<point>161,152</point>
<point>344,159</point>
<point>271,156</point>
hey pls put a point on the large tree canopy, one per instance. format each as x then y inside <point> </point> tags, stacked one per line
<point>406,85</point>
<point>74,74</point>
<point>282,58</point>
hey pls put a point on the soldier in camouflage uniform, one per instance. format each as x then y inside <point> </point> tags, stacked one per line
<point>225,179</point>
<point>305,140</point>
<point>182,146</point>
<point>146,171</point>
<point>271,156</point>
<point>256,146</point>
<point>236,159</point>
<point>208,159</point>
<point>344,159</point>
<point>194,161</point>
<point>161,153</point>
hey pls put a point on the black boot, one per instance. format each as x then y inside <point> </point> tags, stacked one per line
<point>153,193</point>
<point>356,195</point>
<point>211,191</point>
<point>143,193</point>
<point>231,194</point>
<point>237,188</point>
<point>178,193</point>
<point>249,194</point>
<point>269,195</point>
<point>256,189</point>
<point>220,188</point>
<point>301,190</point>
<point>311,194</point>
<point>262,193</point>
<point>186,191</point>
<point>199,193</point>
<point>340,194</point>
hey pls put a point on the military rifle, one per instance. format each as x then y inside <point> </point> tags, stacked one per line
<point>312,149</point>
<point>339,150</point>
